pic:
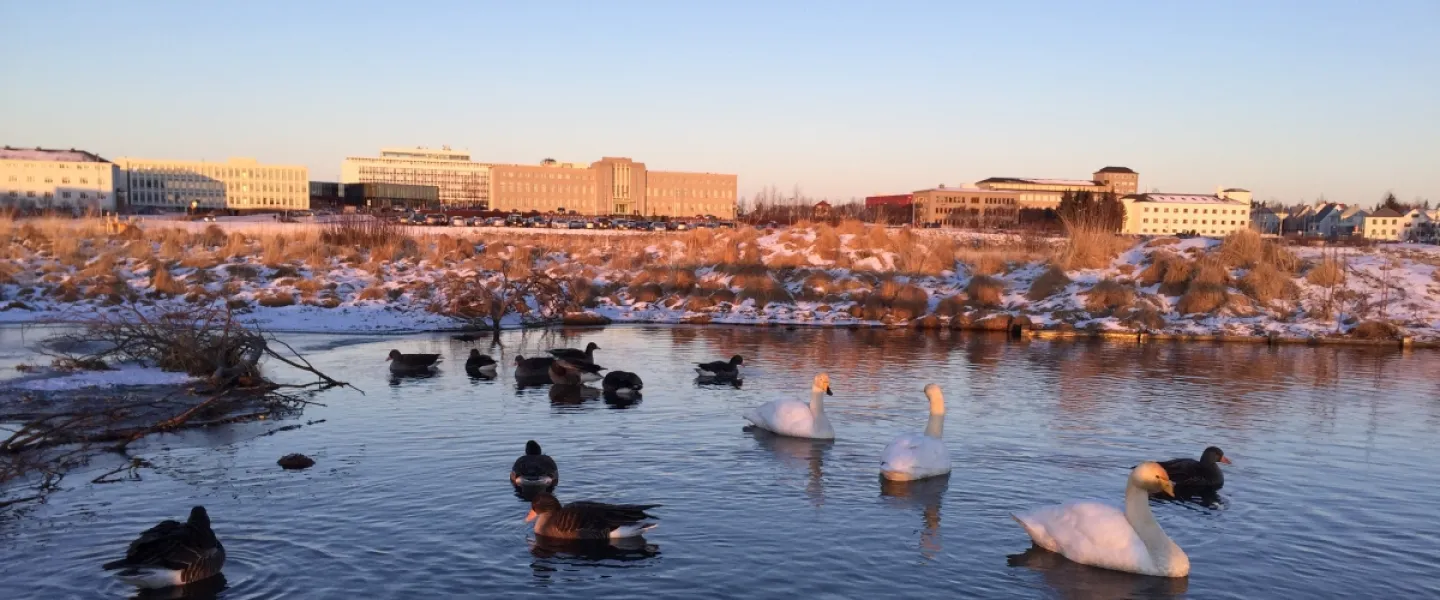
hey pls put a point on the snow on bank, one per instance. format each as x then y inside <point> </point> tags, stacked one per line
<point>122,376</point>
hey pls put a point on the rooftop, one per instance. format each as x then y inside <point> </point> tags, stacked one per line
<point>966,190</point>
<point>45,154</point>
<point>1119,170</point>
<point>1069,182</point>
<point>1182,199</point>
<point>1237,190</point>
<point>1384,212</point>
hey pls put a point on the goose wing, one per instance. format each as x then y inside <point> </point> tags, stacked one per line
<point>597,517</point>
<point>171,544</point>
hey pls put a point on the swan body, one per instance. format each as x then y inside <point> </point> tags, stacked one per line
<point>915,456</point>
<point>1101,535</point>
<point>795,418</point>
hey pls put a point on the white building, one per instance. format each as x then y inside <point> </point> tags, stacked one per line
<point>40,179</point>
<point>1387,224</point>
<point>236,184</point>
<point>1208,215</point>
<point>460,181</point>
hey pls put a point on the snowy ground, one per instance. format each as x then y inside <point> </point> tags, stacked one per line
<point>123,375</point>
<point>1393,283</point>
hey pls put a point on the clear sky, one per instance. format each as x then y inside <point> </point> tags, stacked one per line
<point>1292,99</point>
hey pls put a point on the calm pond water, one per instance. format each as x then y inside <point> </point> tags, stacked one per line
<point>1332,493</point>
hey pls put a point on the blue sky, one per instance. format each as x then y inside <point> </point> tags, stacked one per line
<point>1290,99</point>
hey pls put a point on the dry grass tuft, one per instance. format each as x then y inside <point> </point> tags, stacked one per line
<point>1090,248</point>
<point>1168,269</point>
<point>762,289</point>
<point>275,299</point>
<point>1266,284</point>
<point>236,246</point>
<point>164,283</point>
<point>1164,241</point>
<point>1243,248</point>
<point>242,271</point>
<point>984,290</point>
<point>985,263</point>
<point>1376,330</point>
<point>1210,269</point>
<point>212,236</point>
<point>952,306</point>
<point>1047,284</point>
<point>1108,295</point>
<point>374,292</point>
<point>1202,298</point>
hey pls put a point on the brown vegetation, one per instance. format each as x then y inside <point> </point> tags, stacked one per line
<point>1108,295</point>
<point>1265,283</point>
<point>1202,298</point>
<point>1090,248</point>
<point>984,290</point>
<point>1047,284</point>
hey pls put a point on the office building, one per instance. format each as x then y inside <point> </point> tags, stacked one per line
<point>385,196</point>
<point>966,207</point>
<point>238,184</point>
<point>1046,193</point>
<point>324,194</point>
<point>462,183</point>
<point>611,186</point>
<point>1210,215</point>
<point>41,179</point>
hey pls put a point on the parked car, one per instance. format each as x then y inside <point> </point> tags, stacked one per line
<point>458,221</point>
<point>514,221</point>
<point>589,224</point>
<point>727,224</point>
<point>679,226</point>
<point>495,222</point>
<point>559,224</point>
<point>576,224</point>
<point>436,219</point>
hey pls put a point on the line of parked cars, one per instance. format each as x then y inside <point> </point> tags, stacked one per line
<point>560,222</point>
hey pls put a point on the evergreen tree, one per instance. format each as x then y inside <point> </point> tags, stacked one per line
<point>1391,203</point>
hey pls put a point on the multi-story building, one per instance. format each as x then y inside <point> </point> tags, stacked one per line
<point>1211,215</point>
<point>381,196</point>
<point>966,206</point>
<point>1046,193</point>
<point>611,186</point>
<point>241,184</point>
<point>41,179</point>
<point>1392,225</point>
<point>324,194</point>
<point>462,183</point>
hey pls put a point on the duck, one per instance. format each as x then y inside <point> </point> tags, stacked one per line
<point>534,468</point>
<point>588,520</point>
<point>537,368</point>
<point>410,363</point>
<point>1101,535</point>
<point>915,456</point>
<point>480,363</point>
<point>172,554</point>
<point>721,369</point>
<point>587,355</point>
<point>622,384</point>
<point>567,372</point>
<point>795,418</point>
<point>1197,478</point>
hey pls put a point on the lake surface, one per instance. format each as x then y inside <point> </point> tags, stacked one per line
<point>1333,492</point>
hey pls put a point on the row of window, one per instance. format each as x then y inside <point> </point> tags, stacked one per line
<point>222,173</point>
<point>1209,232</point>
<point>61,165</point>
<point>974,200</point>
<point>65,195</point>
<point>1198,211</point>
<point>1196,222</point>
<point>63,180</point>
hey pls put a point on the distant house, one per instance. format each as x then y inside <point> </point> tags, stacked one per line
<point>1389,224</point>
<point>1325,221</point>
<point>1352,220</point>
<point>1264,220</point>
<point>821,209</point>
<point>1298,220</point>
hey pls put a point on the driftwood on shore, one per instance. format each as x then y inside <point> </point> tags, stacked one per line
<point>54,433</point>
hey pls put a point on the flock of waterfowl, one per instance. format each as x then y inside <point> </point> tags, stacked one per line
<point>1089,533</point>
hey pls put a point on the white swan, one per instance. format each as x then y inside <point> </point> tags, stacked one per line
<point>919,455</point>
<point>1100,535</point>
<point>795,418</point>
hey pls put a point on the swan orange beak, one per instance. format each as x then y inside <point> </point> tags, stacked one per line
<point>1169,487</point>
<point>530,516</point>
<point>1226,460</point>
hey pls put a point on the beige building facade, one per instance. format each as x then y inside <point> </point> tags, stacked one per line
<point>1046,193</point>
<point>1390,225</point>
<point>243,184</point>
<point>612,186</point>
<point>1207,215</point>
<point>462,182</point>
<point>966,207</point>
<point>41,179</point>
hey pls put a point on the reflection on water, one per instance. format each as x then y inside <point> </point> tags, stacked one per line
<point>554,551</point>
<point>206,589</point>
<point>1074,581</point>
<point>415,474</point>
<point>925,496</point>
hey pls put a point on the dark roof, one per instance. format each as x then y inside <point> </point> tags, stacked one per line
<point>1116,170</point>
<point>1329,209</point>
<point>48,154</point>
<point>1237,190</point>
<point>1386,212</point>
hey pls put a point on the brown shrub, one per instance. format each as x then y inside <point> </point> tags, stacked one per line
<point>951,306</point>
<point>1090,248</point>
<point>827,243</point>
<point>646,292</point>
<point>163,283</point>
<point>762,289</point>
<point>1376,330</point>
<point>1168,269</point>
<point>984,290</point>
<point>103,265</point>
<point>272,250</point>
<point>904,301</point>
<point>985,263</point>
<point>212,236</point>
<point>1108,295</point>
<point>236,246</point>
<point>1281,257</point>
<point>1266,284</point>
<point>1210,269</point>
<point>309,285</point>
<point>1047,284</point>
<point>850,227</point>
<point>1242,248</point>
<point>1329,273</point>
<point>925,255</point>
<point>723,295</point>
<point>816,285</point>
<point>242,271</point>
<point>275,299</point>
<point>1202,298</point>
<point>1164,241</point>
<point>200,260</point>
<point>374,292</point>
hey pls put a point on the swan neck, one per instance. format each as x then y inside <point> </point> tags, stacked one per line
<point>935,428</point>
<point>1138,513</point>
<point>817,401</point>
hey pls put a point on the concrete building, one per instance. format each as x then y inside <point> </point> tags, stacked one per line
<point>41,179</point>
<point>612,186</point>
<point>462,183</point>
<point>966,207</point>
<point>1208,215</point>
<point>325,194</point>
<point>1388,224</point>
<point>241,184</point>
<point>383,196</point>
<point>1046,193</point>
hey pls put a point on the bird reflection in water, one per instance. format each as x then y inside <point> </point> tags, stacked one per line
<point>566,394</point>
<point>397,379</point>
<point>205,589</point>
<point>579,552</point>
<point>1074,581</point>
<point>621,401</point>
<point>801,453</point>
<point>924,494</point>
